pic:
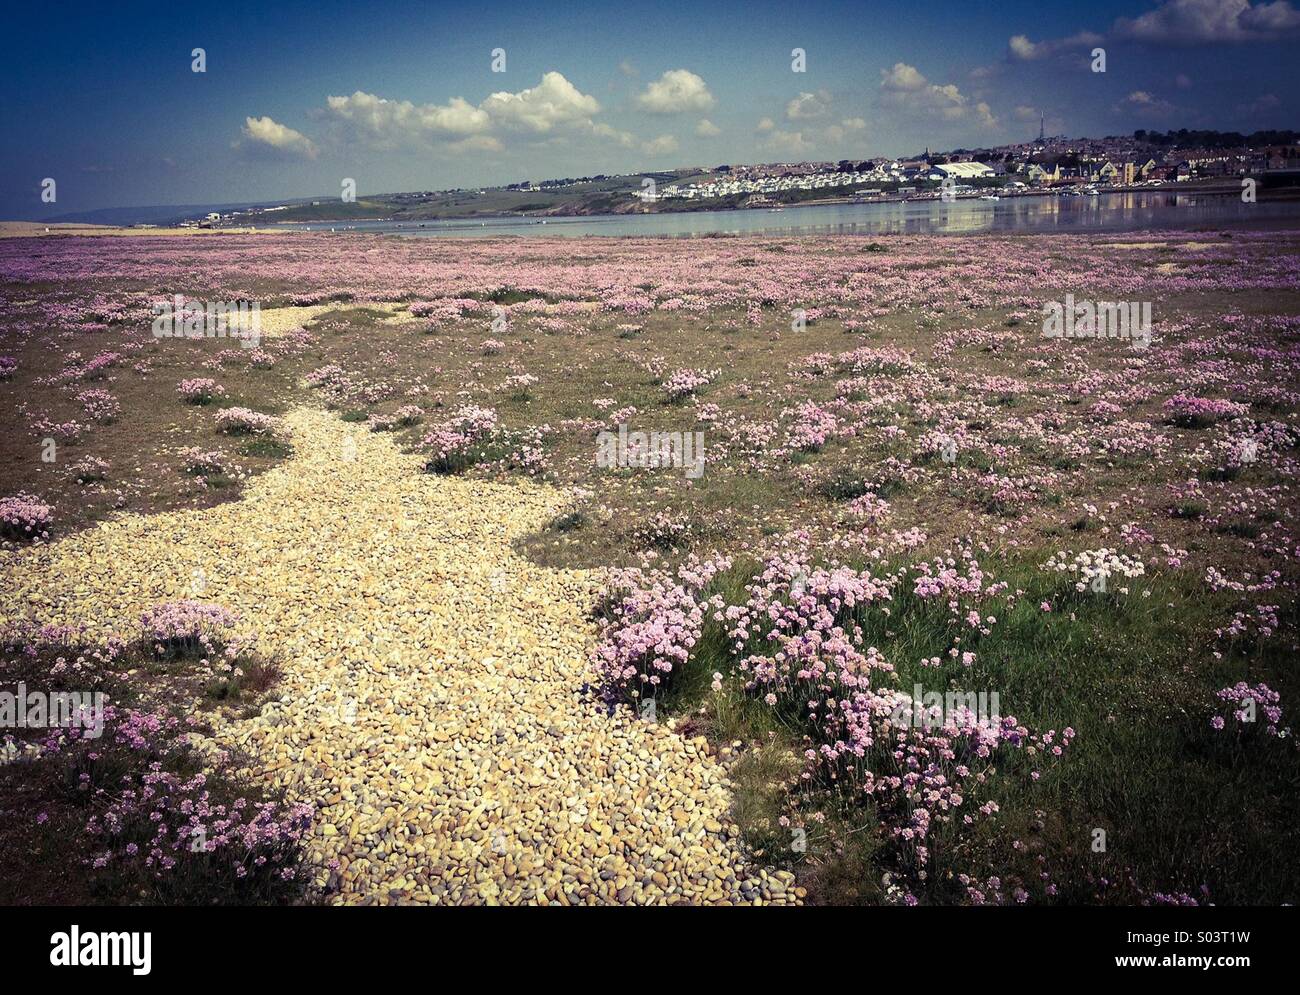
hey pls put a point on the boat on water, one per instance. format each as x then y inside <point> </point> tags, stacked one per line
<point>990,196</point>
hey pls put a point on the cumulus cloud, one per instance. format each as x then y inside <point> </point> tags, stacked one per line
<point>1191,22</point>
<point>1179,22</point>
<point>809,106</point>
<point>476,143</point>
<point>791,143</point>
<point>902,78</point>
<point>905,87</point>
<point>1266,104</point>
<point>1022,49</point>
<point>674,92</point>
<point>707,129</point>
<point>389,123</point>
<point>552,102</point>
<point>663,145</point>
<point>264,135</point>
<point>459,125</point>
<point>624,139</point>
<point>1142,103</point>
<point>816,134</point>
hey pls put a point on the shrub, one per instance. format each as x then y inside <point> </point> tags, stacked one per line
<point>187,629</point>
<point>243,421</point>
<point>200,390</point>
<point>163,831</point>
<point>796,645</point>
<point>99,405</point>
<point>685,383</point>
<point>461,441</point>
<point>25,517</point>
<point>520,385</point>
<point>1243,704</point>
<point>813,427</point>
<point>202,463</point>
<point>403,417</point>
<point>89,470</point>
<point>1199,412</point>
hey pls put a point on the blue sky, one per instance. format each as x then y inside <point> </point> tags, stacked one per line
<point>102,98</point>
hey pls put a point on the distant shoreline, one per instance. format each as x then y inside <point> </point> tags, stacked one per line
<point>39,229</point>
<point>1208,189</point>
<point>525,225</point>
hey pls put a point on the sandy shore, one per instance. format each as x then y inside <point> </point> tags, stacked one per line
<point>27,229</point>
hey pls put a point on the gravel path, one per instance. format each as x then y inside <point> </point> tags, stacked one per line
<point>430,701</point>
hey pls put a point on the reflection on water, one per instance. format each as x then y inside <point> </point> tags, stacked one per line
<point>1107,212</point>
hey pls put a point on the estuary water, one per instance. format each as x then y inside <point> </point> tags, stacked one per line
<point>1106,212</point>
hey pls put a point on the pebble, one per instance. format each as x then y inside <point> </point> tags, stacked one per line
<point>430,702</point>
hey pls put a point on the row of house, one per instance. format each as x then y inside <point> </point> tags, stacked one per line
<point>1056,162</point>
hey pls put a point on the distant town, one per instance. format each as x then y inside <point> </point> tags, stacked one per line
<point>1145,159</point>
<point>1048,165</point>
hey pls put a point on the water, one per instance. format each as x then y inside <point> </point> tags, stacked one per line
<point>1108,212</point>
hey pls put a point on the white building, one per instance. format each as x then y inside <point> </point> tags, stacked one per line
<point>961,171</point>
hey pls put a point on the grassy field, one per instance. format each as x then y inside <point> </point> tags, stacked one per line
<point>895,460</point>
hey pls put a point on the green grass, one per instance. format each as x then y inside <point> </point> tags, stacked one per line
<point>1182,805</point>
<point>267,447</point>
<point>43,861</point>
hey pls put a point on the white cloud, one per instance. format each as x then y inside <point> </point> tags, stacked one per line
<point>663,145</point>
<point>676,91</point>
<point>792,143</point>
<point>624,139</point>
<point>808,106</point>
<point>266,135</point>
<point>1024,50</point>
<point>477,143</point>
<point>1189,22</point>
<point>552,102</point>
<point>391,124</point>
<point>1142,103</point>
<point>905,87</point>
<point>707,129</point>
<point>902,78</point>
<point>765,124</point>
<point>1178,22</point>
<point>1266,104</point>
<point>388,123</point>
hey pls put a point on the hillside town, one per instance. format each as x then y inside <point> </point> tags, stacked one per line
<point>1058,163</point>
